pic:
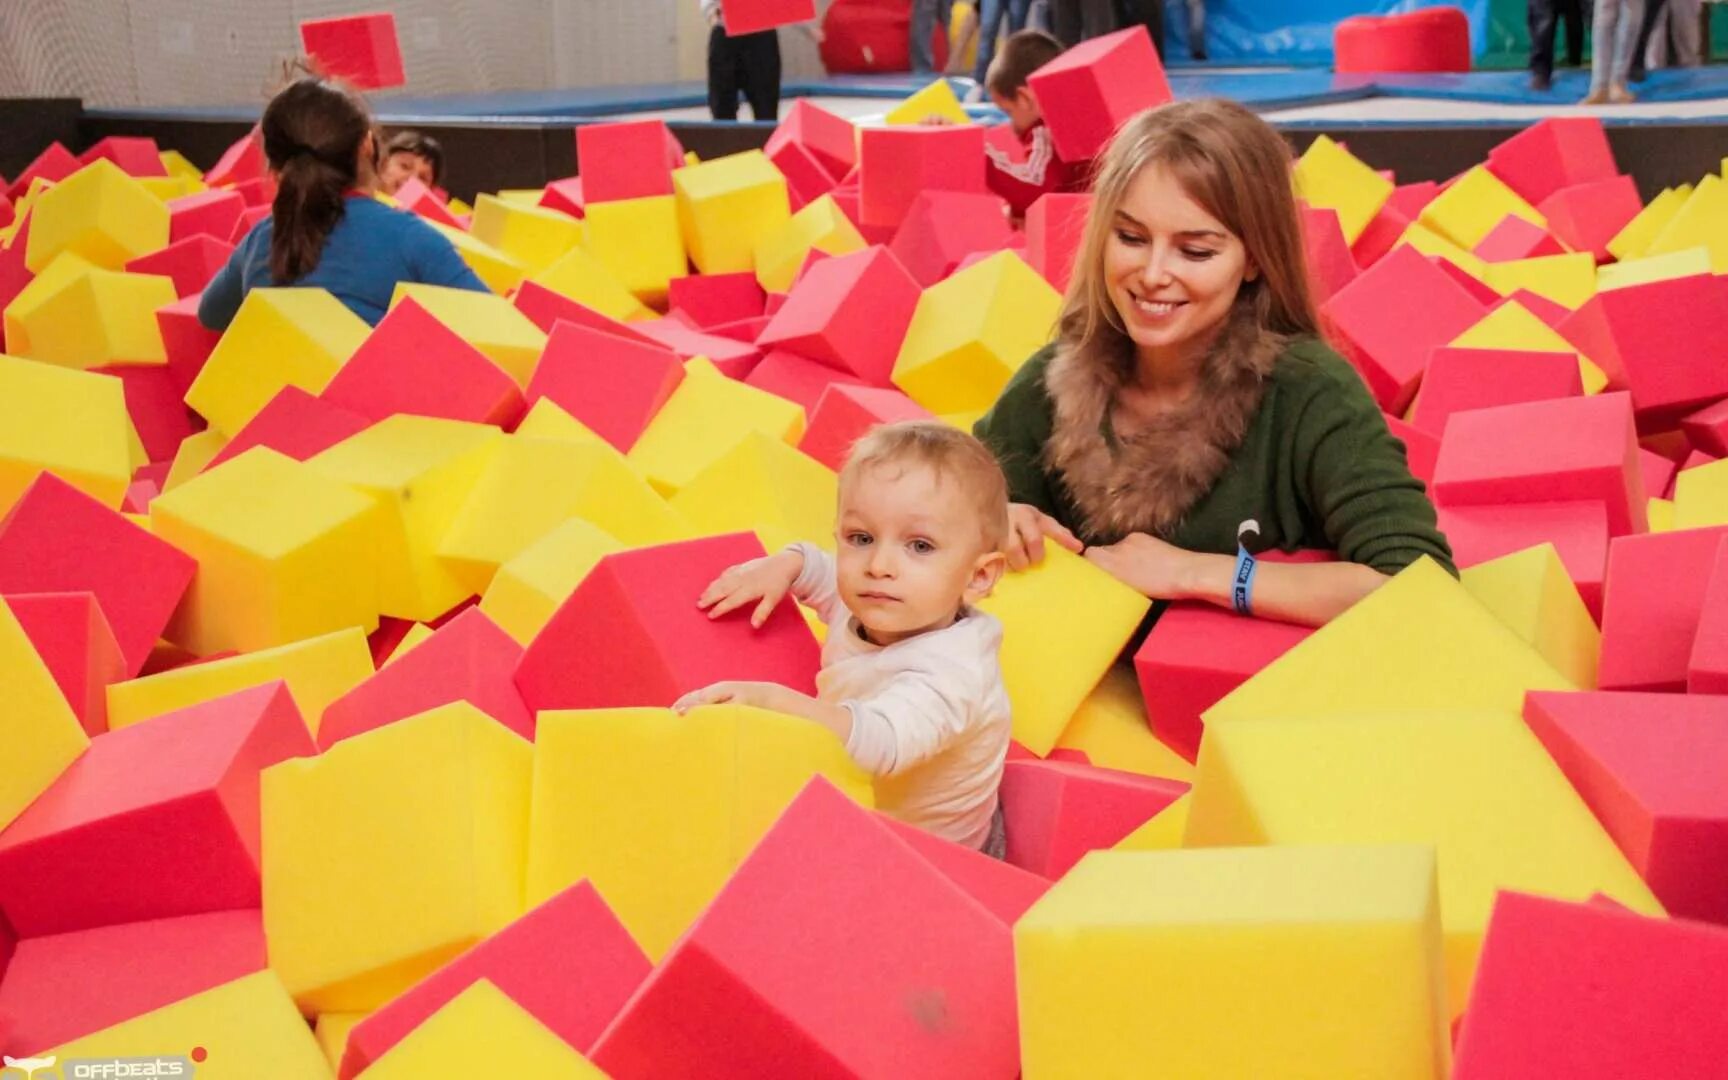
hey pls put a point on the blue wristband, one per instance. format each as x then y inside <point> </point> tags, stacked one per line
<point>1242,582</point>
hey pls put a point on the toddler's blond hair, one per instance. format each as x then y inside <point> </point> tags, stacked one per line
<point>951,454</point>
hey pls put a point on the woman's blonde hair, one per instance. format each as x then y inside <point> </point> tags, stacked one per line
<point>1237,168</point>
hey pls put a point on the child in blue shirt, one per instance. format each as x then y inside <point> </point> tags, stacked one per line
<point>325,229</point>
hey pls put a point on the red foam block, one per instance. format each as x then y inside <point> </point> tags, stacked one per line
<point>545,308</point>
<point>1563,450</point>
<point>1394,218</point>
<point>1516,238</point>
<point>157,407</point>
<point>294,424</point>
<point>173,802</point>
<point>1094,88</point>
<point>806,179</point>
<point>188,263</point>
<point>65,986</point>
<point>569,963</point>
<point>754,16</point>
<point>790,376</point>
<point>1421,449</point>
<point>72,636</point>
<point>242,161</point>
<point>1650,768</point>
<point>1054,225</point>
<point>248,221</point>
<point>1707,429</point>
<point>733,357</point>
<point>1664,341</point>
<point>1540,306</point>
<point>135,155</point>
<point>1194,656</point>
<point>943,227</point>
<point>1558,153</point>
<point>1658,473</point>
<point>714,299</point>
<point>1586,216</point>
<point>468,659</point>
<point>566,196</point>
<point>1589,993</point>
<point>412,363</point>
<point>897,972</point>
<point>361,49</point>
<point>844,413</point>
<point>830,139</point>
<point>1651,607</point>
<point>1388,339</point>
<point>851,312</point>
<point>415,197</point>
<point>1578,530</point>
<point>623,161</point>
<point>613,385</point>
<point>1459,380</point>
<point>1330,264</point>
<point>1057,811</point>
<point>1707,667</point>
<point>58,539</point>
<point>208,213</point>
<point>631,633</point>
<point>1004,889</point>
<point>55,163</point>
<point>896,164</point>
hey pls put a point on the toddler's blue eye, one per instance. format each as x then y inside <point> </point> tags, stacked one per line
<point>922,547</point>
<point>858,539</point>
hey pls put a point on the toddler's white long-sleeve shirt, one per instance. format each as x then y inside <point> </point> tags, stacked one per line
<point>930,716</point>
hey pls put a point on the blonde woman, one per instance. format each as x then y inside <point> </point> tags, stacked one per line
<point>1188,415</point>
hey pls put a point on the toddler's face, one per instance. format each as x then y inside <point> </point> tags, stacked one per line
<point>910,551</point>
<point>401,167</point>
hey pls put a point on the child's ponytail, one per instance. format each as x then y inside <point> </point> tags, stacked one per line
<point>313,133</point>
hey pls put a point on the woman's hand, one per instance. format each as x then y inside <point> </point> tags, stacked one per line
<point>1027,528</point>
<point>763,581</point>
<point>1150,566</point>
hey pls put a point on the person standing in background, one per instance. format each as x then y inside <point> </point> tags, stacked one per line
<point>1073,21</point>
<point>990,18</point>
<point>1197,29</point>
<point>1615,32</point>
<point>926,16</point>
<point>1147,13</point>
<point>1544,17</point>
<point>744,63</point>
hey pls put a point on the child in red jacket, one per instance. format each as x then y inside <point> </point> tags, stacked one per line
<point>1041,171</point>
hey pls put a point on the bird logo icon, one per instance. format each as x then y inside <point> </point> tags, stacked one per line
<point>29,1065</point>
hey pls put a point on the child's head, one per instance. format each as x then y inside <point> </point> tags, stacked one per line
<point>1024,52</point>
<point>923,512</point>
<point>318,141</point>
<point>410,155</point>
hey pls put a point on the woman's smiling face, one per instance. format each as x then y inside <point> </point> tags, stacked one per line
<point>1173,270</point>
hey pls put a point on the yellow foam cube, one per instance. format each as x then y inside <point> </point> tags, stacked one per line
<point>1475,784</point>
<point>1332,178</point>
<point>1469,209</point>
<point>71,423</point>
<point>1701,220</point>
<point>765,485</point>
<point>706,417</point>
<point>1701,496</point>
<point>1315,962</point>
<point>490,323</point>
<point>726,206</point>
<point>1429,242</point>
<point>419,470</point>
<point>37,727</point>
<point>482,1032</point>
<point>528,590</point>
<point>1531,592</point>
<point>971,332</point>
<point>545,420</point>
<point>532,235</point>
<point>283,553</point>
<point>332,1030</point>
<point>531,486</point>
<point>1634,240</point>
<point>1641,271</point>
<point>391,852</point>
<point>640,243</point>
<point>1568,280</point>
<point>819,226</point>
<point>100,317</point>
<point>177,165</point>
<point>934,101</point>
<point>1163,831</point>
<point>1063,623</point>
<point>1661,514</point>
<point>964,421</point>
<point>196,451</point>
<point>458,207</point>
<point>1514,326</point>
<point>248,1029</point>
<point>66,267</point>
<point>496,270</point>
<point>585,279</point>
<point>280,337</point>
<point>101,213</point>
<point>1110,728</point>
<point>1419,642</point>
<point>317,671</point>
<point>168,188</point>
<point>657,809</point>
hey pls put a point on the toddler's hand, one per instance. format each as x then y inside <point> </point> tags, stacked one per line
<point>763,581</point>
<point>724,693</point>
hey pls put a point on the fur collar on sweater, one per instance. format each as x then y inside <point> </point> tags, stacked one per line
<point>1150,480</point>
